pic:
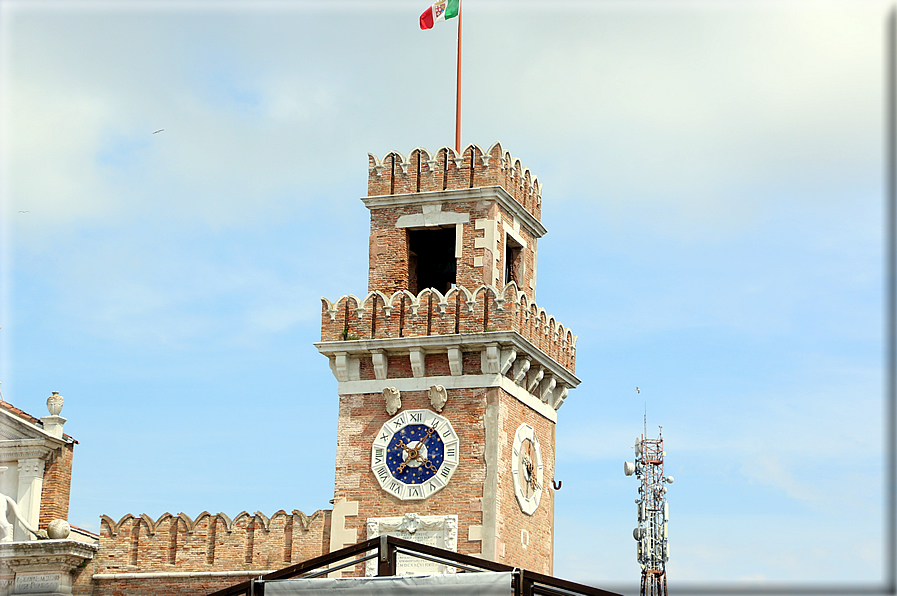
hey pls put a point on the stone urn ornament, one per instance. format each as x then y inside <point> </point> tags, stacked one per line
<point>54,404</point>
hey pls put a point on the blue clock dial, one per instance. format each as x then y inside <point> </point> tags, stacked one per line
<point>414,454</point>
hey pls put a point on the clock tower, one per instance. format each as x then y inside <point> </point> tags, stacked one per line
<point>449,374</point>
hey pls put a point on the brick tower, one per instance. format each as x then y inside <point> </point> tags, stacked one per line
<point>450,376</point>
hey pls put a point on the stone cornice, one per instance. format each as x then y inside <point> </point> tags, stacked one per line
<point>27,428</point>
<point>64,555</point>
<point>19,449</point>
<point>533,377</point>
<point>480,193</point>
<point>438,343</point>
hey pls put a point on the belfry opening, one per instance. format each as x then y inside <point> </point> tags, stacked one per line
<point>431,259</point>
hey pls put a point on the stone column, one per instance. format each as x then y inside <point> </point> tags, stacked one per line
<point>31,482</point>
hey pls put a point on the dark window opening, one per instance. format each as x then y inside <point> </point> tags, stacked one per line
<point>431,259</point>
<point>513,261</point>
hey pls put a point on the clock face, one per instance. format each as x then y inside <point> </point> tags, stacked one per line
<point>415,454</point>
<point>526,466</point>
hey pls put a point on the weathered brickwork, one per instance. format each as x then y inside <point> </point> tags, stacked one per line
<point>482,320</point>
<point>459,311</point>
<point>208,544</point>
<point>482,261</point>
<point>360,418</point>
<point>446,170</point>
<point>527,539</point>
<point>54,502</point>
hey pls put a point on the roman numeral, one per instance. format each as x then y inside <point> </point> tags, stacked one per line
<point>450,452</point>
<point>378,455</point>
<point>382,473</point>
<point>418,417</point>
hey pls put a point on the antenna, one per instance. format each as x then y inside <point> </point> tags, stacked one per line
<point>651,534</point>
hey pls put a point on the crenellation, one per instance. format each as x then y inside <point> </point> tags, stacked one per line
<point>447,170</point>
<point>211,542</point>
<point>459,311</point>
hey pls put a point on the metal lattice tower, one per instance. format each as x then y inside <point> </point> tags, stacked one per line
<point>653,513</point>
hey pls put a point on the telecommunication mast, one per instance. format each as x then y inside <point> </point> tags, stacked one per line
<point>653,512</point>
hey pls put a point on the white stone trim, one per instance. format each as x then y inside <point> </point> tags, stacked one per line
<point>455,360</point>
<point>474,533</point>
<point>381,362</point>
<point>480,193</point>
<point>431,216</point>
<point>449,382</point>
<point>340,536</point>
<point>488,241</point>
<point>530,365</point>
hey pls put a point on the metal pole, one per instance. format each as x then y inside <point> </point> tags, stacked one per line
<point>458,90</point>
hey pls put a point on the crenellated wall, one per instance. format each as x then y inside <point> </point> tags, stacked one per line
<point>210,542</point>
<point>445,169</point>
<point>459,311</point>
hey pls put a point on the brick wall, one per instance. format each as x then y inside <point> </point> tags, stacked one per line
<point>360,418</point>
<point>388,266</point>
<point>527,540</point>
<point>209,544</point>
<point>54,501</point>
<point>446,170</point>
<point>521,540</point>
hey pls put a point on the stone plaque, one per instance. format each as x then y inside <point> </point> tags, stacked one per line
<point>43,583</point>
<point>440,531</point>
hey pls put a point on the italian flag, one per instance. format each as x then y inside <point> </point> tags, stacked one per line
<point>440,11</point>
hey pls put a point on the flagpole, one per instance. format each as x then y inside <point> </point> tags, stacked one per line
<point>458,90</point>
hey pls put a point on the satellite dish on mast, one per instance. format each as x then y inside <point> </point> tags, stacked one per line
<point>628,468</point>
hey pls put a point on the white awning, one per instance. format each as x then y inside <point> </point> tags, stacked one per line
<point>449,584</point>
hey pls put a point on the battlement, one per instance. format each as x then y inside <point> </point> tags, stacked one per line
<point>210,542</point>
<point>445,169</point>
<point>458,311</point>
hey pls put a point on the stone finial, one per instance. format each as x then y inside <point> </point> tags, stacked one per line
<point>438,397</point>
<point>393,400</point>
<point>54,404</point>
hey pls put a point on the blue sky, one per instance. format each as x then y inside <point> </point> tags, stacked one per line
<point>713,190</point>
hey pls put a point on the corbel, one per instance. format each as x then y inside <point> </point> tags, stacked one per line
<point>417,356</point>
<point>380,360</point>
<point>454,358</point>
<point>535,376</point>
<point>521,367</point>
<point>489,359</point>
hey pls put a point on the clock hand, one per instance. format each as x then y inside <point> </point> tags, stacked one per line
<point>430,431</point>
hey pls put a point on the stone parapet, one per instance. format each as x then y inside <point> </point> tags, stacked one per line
<point>445,169</point>
<point>458,312</point>
<point>177,543</point>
